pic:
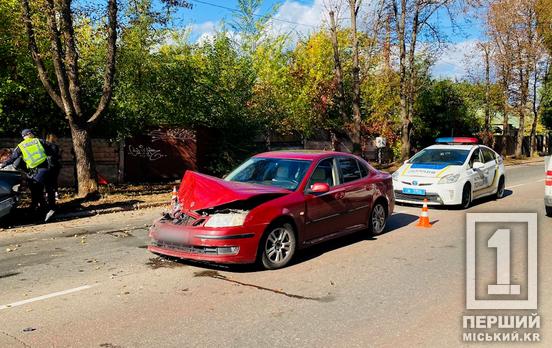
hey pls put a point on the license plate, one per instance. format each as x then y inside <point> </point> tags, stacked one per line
<point>413,191</point>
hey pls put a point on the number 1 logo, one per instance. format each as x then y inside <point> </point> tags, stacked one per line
<point>501,241</point>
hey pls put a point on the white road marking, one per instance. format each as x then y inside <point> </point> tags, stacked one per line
<point>44,297</point>
<point>527,183</point>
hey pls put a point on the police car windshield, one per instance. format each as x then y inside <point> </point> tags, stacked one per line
<point>440,156</point>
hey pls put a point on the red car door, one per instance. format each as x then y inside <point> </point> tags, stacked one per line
<point>358,189</point>
<point>324,213</point>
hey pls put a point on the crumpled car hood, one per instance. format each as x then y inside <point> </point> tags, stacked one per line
<point>199,191</point>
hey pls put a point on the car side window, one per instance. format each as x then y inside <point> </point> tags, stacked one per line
<point>363,169</point>
<point>349,169</point>
<point>488,155</point>
<point>475,157</point>
<point>323,173</point>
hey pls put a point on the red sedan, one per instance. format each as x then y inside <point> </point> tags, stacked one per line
<point>272,205</point>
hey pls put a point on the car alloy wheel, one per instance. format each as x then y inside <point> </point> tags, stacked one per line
<point>278,246</point>
<point>378,219</point>
<point>500,188</point>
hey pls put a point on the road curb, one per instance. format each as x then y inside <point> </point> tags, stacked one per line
<point>93,212</point>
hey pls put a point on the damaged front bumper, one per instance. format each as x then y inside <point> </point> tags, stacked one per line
<point>195,241</point>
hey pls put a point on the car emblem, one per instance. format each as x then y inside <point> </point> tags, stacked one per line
<point>415,183</point>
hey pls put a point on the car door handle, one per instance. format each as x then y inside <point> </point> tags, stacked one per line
<point>339,195</point>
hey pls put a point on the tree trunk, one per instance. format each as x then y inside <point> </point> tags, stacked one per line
<point>84,158</point>
<point>66,95</point>
<point>533,142</point>
<point>338,70</point>
<point>505,133</point>
<point>488,136</point>
<point>356,80</point>
<point>534,108</point>
<point>405,130</point>
<point>521,133</point>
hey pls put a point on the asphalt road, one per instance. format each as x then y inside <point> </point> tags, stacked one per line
<point>92,283</point>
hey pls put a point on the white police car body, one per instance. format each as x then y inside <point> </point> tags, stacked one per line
<point>455,171</point>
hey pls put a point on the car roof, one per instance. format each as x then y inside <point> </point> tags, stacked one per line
<point>310,155</point>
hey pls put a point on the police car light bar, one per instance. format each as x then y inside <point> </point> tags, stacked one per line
<point>456,140</point>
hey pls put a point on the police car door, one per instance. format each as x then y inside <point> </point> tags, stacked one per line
<point>477,174</point>
<point>491,166</point>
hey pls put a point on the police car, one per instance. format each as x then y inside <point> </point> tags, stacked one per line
<point>454,171</point>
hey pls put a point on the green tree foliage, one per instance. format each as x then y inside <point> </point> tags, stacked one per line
<point>442,110</point>
<point>23,100</point>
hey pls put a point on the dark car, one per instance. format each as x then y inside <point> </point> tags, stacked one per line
<point>272,205</point>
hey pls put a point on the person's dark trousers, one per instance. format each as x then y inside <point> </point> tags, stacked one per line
<point>37,194</point>
<point>38,180</point>
<point>51,187</point>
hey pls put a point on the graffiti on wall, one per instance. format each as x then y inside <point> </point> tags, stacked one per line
<point>145,152</point>
<point>160,154</point>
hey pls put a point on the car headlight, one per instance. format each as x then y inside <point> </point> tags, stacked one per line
<point>395,175</point>
<point>226,220</point>
<point>449,179</point>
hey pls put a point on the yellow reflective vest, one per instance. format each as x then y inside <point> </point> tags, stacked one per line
<point>33,152</point>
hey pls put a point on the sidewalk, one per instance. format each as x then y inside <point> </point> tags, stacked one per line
<point>113,199</point>
<point>514,161</point>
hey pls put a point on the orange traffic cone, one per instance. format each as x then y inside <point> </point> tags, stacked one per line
<point>424,217</point>
<point>174,194</point>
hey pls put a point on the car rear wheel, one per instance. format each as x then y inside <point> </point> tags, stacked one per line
<point>548,210</point>
<point>278,246</point>
<point>378,219</point>
<point>466,197</point>
<point>500,188</point>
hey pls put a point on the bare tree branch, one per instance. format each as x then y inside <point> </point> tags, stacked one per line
<point>57,53</point>
<point>71,59</point>
<point>110,62</point>
<point>42,73</point>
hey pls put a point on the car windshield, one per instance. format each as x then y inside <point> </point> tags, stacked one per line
<point>284,173</point>
<point>440,156</point>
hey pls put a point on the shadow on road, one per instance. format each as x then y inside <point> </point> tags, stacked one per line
<point>399,220</point>
<point>475,203</point>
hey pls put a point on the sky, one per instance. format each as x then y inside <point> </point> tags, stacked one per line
<point>300,17</point>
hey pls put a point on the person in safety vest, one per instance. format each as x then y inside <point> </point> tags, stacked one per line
<point>35,153</point>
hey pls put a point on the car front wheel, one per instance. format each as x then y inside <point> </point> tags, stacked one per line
<point>278,246</point>
<point>466,197</point>
<point>500,188</point>
<point>548,210</point>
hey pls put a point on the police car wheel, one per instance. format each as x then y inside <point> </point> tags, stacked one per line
<point>548,211</point>
<point>500,188</point>
<point>466,197</point>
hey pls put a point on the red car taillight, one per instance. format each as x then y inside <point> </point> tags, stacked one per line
<point>548,180</point>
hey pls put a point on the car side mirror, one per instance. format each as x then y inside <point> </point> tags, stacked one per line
<point>478,165</point>
<point>319,187</point>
